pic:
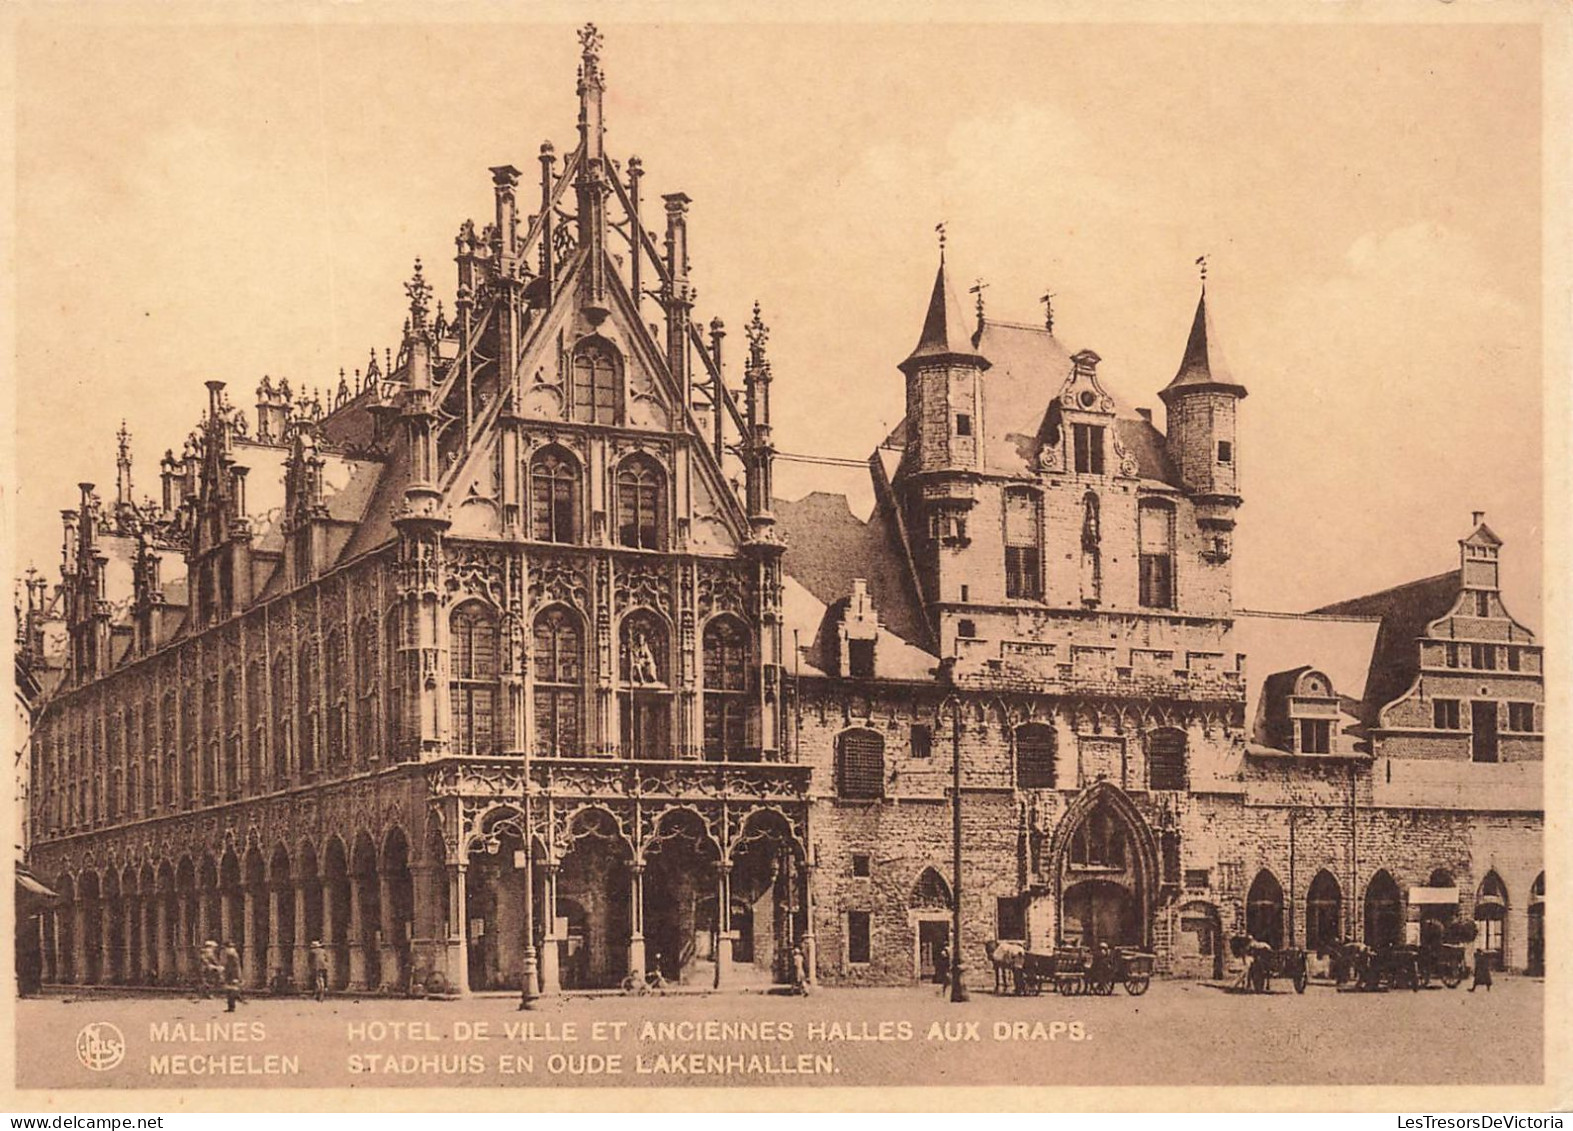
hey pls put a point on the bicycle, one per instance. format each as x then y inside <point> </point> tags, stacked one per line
<point>653,982</point>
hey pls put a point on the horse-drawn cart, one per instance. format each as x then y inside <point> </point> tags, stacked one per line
<point>1074,970</point>
<point>1263,962</point>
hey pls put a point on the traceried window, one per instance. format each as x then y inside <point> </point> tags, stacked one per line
<point>257,725</point>
<point>1023,553</point>
<point>860,765</point>
<point>645,692</point>
<point>559,673</point>
<point>727,656</point>
<point>306,702</point>
<point>595,371</point>
<point>394,665</point>
<point>554,497</point>
<point>1034,756</point>
<point>1087,439</point>
<point>283,737</point>
<point>473,656</point>
<point>641,494</point>
<point>337,687</point>
<point>1155,522</point>
<point>1099,841</point>
<point>368,667</point>
<point>1166,759</point>
<point>171,748</point>
<point>150,751</point>
<point>231,738</point>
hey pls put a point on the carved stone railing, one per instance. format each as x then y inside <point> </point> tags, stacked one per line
<point>621,778</point>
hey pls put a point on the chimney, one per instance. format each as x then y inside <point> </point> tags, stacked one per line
<point>1145,414</point>
<point>1477,517</point>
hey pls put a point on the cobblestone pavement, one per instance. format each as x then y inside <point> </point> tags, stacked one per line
<point>1178,1033</point>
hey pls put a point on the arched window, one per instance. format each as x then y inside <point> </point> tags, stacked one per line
<point>233,736</point>
<point>150,752</point>
<point>1155,530</point>
<point>1264,910</point>
<point>1384,911</point>
<point>397,729</point>
<point>595,384</point>
<point>931,892</point>
<point>283,737</point>
<point>558,659</point>
<point>1099,841</point>
<point>306,712</point>
<point>368,668</point>
<point>171,748</point>
<point>646,695</point>
<point>860,765</point>
<point>1166,759</point>
<point>554,497</point>
<point>255,726</point>
<point>1035,756</point>
<point>1323,911</point>
<point>337,687</point>
<point>727,657</point>
<point>1023,545</point>
<point>641,495</point>
<point>1491,913</point>
<point>472,649</point>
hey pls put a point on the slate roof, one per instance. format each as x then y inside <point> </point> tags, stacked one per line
<point>1278,647</point>
<point>945,334</point>
<point>1405,610</point>
<point>1202,366</point>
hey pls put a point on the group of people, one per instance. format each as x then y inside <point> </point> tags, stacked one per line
<point>221,969</point>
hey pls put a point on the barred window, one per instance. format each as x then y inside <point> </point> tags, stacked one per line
<point>860,765</point>
<point>1023,552</point>
<point>640,518</point>
<point>727,654</point>
<point>1166,759</point>
<point>558,661</point>
<point>595,370</point>
<point>1034,756</point>
<point>475,675</point>
<point>554,497</point>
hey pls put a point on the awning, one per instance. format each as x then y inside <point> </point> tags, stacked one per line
<point>1432,896</point>
<point>28,884</point>
<point>1490,907</point>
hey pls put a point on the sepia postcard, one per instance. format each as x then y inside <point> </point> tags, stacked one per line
<point>940,557</point>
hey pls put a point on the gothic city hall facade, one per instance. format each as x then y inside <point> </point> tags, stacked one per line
<point>506,658</point>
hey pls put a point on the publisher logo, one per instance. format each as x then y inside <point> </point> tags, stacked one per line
<point>100,1046</point>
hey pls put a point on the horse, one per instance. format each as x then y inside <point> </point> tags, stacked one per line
<point>1008,960</point>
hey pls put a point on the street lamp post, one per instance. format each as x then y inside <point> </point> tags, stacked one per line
<point>958,987</point>
<point>528,990</point>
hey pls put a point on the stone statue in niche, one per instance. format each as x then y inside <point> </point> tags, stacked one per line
<point>641,659</point>
<point>1091,552</point>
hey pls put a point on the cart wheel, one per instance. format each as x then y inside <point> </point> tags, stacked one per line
<point>1300,981</point>
<point>1136,986</point>
<point>1105,988</point>
<point>1452,978</point>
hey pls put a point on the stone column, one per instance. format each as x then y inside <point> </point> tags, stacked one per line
<point>636,921</point>
<point>182,935</point>
<point>106,939</point>
<point>53,952</point>
<point>161,944</point>
<point>226,916</point>
<point>302,964</point>
<point>357,937</point>
<point>390,943</point>
<point>329,942</point>
<point>723,922</point>
<point>810,947</point>
<point>458,931</point>
<point>129,958</point>
<point>251,949</point>
<point>273,956</point>
<point>551,975</point>
<point>78,942</point>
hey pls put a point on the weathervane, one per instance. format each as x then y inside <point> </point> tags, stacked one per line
<point>1048,310</point>
<point>1201,261</point>
<point>978,288</point>
<point>940,228</point>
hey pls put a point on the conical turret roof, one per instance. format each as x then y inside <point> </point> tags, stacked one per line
<point>1202,369</point>
<point>945,337</point>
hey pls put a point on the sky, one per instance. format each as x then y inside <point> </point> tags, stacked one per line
<point>225,201</point>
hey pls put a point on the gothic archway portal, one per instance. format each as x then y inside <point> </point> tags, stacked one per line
<point>594,902</point>
<point>680,899</point>
<point>1105,871</point>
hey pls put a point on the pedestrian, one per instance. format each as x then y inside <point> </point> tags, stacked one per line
<point>942,964</point>
<point>231,970</point>
<point>1482,970</point>
<point>800,970</point>
<point>317,963</point>
<point>211,968</point>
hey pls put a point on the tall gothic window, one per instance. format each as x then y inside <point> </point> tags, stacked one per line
<point>208,776</point>
<point>557,656</point>
<point>283,700</point>
<point>1155,524</point>
<point>150,751</point>
<point>640,514</point>
<point>367,668</point>
<point>257,720</point>
<point>554,497</point>
<point>1023,552</point>
<point>233,736</point>
<point>337,687</point>
<point>188,754</point>
<point>1099,842</point>
<point>726,689</point>
<point>1035,756</point>
<point>646,693</point>
<point>595,368</point>
<point>393,661</point>
<point>171,748</point>
<point>476,672</point>
<point>1166,759</point>
<point>306,703</point>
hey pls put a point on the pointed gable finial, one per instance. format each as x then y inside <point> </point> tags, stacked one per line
<point>590,40</point>
<point>940,231</point>
<point>419,291</point>
<point>758,335</point>
<point>1201,263</point>
<point>977,289</point>
<point>1047,299</point>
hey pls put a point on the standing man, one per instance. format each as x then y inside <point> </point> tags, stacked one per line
<point>212,967</point>
<point>942,964</point>
<point>1482,970</point>
<point>317,963</point>
<point>232,975</point>
<point>799,970</point>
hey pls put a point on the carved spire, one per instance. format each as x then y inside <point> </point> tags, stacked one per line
<point>123,501</point>
<point>942,340</point>
<point>591,185</point>
<point>759,450</point>
<point>592,84</point>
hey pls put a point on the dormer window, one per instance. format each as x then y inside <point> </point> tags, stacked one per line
<point>1087,439</point>
<point>1316,736</point>
<point>595,383</point>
